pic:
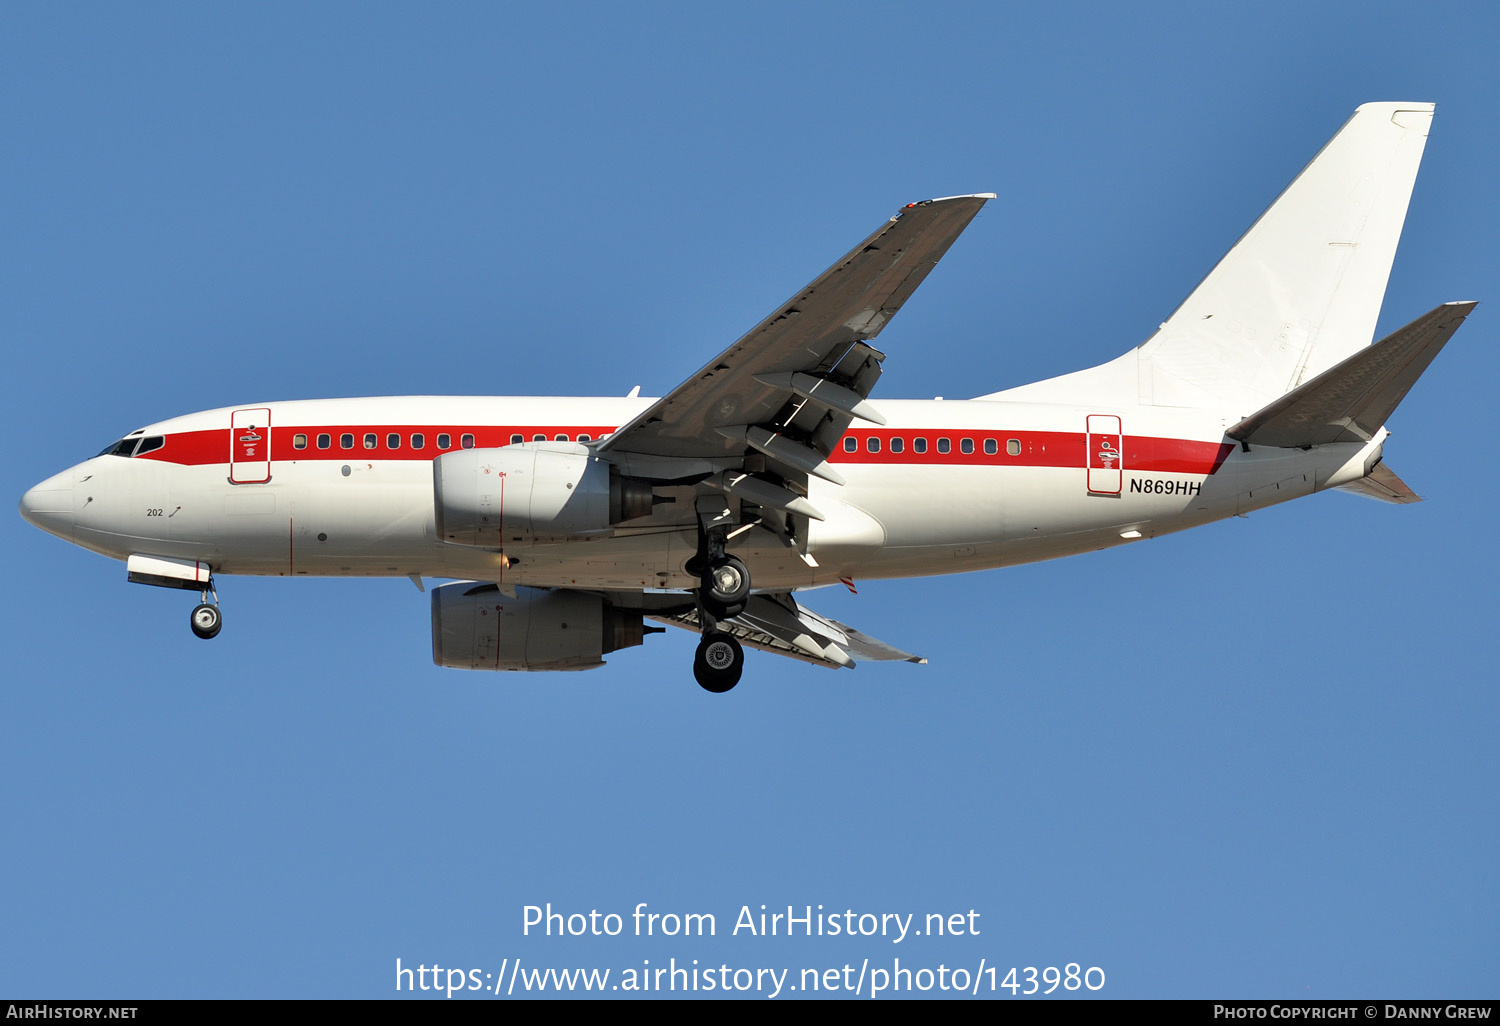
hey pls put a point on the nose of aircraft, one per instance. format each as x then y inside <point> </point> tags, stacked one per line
<point>50,505</point>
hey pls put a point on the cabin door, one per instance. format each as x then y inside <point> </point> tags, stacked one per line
<point>1105,458</point>
<point>250,446</point>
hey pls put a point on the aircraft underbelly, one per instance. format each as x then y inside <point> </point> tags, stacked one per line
<point>308,519</point>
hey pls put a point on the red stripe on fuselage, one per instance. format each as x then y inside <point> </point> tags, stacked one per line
<point>205,448</point>
<point>1038,448</point>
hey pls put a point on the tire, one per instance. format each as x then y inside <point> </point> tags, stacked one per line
<point>728,582</point>
<point>718,663</point>
<point>206,621</point>
<point>726,588</point>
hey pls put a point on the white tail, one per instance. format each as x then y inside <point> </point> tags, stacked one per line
<point>1298,293</point>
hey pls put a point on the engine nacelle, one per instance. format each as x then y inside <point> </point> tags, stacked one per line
<point>478,627</point>
<point>523,494</point>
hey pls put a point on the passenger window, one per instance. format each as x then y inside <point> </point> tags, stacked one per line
<point>517,439</point>
<point>346,441</point>
<point>851,444</point>
<point>468,441</point>
<point>991,447</point>
<point>538,438</point>
<point>966,446</point>
<point>560,438</point>
<point>1013,446</point>
<point>943,445</point>
<point>299,441</point>
<point>584,438</point>
<point>872,444</point>
<point>445,440</point>
<point>371,440</point>
<point>324,441</point>
<point>418,440</point>
<point>919,445</point>
<point>393,441</point>
<point>897,445</point>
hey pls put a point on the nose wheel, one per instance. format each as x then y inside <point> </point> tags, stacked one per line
<point>206,620</point>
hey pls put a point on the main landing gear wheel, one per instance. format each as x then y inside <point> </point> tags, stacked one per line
<point>719,662</point>
<point>726,587</point>
<point>207,621</point>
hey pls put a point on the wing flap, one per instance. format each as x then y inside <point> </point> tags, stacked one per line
<point>777,624</point>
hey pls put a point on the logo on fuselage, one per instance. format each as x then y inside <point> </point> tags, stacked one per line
<point>1108,454</point>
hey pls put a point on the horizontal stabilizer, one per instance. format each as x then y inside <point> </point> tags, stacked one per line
<point>1382,484</point>
<point>1350,401</point>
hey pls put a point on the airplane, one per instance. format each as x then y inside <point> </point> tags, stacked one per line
<point>565,524</point>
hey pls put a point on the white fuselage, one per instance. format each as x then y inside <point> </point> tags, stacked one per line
<point>942,487</point>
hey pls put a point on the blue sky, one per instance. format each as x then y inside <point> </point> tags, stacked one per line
<point>1253,760</point>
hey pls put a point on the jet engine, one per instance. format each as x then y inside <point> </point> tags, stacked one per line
<point>524,494</point>
<point>479,627</point>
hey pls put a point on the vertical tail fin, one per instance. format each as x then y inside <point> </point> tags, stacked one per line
<point>1298,293</point>
<point>1302,289</point>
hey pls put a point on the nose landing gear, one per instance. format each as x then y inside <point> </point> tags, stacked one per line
<point>206,620</point>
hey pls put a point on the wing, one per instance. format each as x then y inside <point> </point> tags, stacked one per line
<point>776,623</point>
<point>789,387</point>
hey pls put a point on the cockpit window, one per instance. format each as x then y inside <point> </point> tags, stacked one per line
<point>127,446</point>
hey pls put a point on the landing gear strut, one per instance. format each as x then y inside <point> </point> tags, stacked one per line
<point>726,579</point>
<point>206,619</point>
<point>719,661</point>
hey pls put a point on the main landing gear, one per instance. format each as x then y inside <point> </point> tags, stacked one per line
<point>719,661</point>
<point>206,620</point>
<point>726,587</point>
